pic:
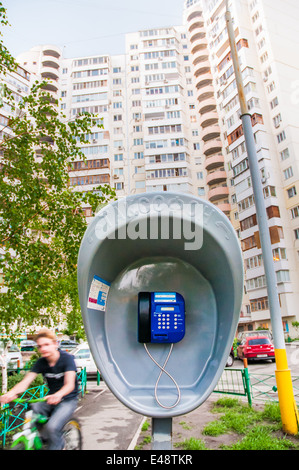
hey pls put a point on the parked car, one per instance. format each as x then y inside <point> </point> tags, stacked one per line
<point>14,357</point>
<point>230,359</point>
<point>67,345</point>
<point>27,345</point>
<point>245,334</point>
<point>83,358</point>
<point>256,348</point>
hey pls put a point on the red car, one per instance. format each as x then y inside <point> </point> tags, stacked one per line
<point>256,347</point>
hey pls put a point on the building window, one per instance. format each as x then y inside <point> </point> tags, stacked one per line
<point>269,191</point>
<point>292,191</point>
<point>281,137</point>
<point>138,155</point>
<point>248,243</point>
<point>283,276</point>
<point>288,173</point>
<point>279,254</point>
<point>264,57</point>
<point>256,283</point>
<point>284,154</point>
<point>254,262</point>
<point>277,120</point>
<point>295,212</point>
<point>274,103</point>
<point>259,304</point>
<point>248,223</point>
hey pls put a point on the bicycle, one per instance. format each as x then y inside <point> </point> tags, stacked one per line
<point>31,438</point>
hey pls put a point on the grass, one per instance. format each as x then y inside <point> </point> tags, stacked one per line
<point>261,438</point>
<point>257,430</point>
<point>192,444</point>
<point>185,425</point>
<point>145,426</point>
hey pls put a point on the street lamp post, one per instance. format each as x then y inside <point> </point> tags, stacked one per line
<point>287,402</point>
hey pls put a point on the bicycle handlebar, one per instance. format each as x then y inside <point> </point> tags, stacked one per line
<point>29,400</point>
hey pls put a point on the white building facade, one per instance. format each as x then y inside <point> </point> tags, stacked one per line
<point>267,45</point>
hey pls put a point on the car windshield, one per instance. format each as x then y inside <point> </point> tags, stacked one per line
<point>12,348</point>
<point>257,341</point>
<point>82,354</point>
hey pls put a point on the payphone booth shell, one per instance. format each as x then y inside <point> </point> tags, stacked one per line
<point>210,279</point>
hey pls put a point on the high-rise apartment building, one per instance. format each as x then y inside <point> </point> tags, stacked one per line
<point>267,45</point>
<point>171,121</point>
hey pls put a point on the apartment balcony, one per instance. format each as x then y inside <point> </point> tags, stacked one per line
<point>195,22</point>
<point>198,36</point>
<point>214,162</point>
<point>203,84</point>
<point>208,106</point>
<point>210,133</point>
<point>202,46</point>
<point>218,193</point>
<point>206,93</point>
<point>224,207</point>
<point>217,177</point>
<point>50,72</point>
<point>52,51</point>
<point>202,69</point>
<point>201,56</point>
<point>204,80</point>
<point>51,86</point>
<point>208,119</point>
<point>212,146</point>
<point>50,64</point>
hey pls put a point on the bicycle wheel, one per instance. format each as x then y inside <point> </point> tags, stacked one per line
<point>72,435</point>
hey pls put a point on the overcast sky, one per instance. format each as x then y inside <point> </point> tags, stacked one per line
<point>84,27</point>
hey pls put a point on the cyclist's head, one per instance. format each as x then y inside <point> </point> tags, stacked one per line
<point>46,342</point>
<point>46,333</point>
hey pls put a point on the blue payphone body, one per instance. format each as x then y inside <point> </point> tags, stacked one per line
<point>161,317</point>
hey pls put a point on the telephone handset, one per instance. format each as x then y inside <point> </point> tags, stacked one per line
<point>161,317</point>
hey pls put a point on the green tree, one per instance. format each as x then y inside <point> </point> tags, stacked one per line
<point>41,218</point>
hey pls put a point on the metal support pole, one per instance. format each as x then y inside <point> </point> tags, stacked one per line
<point>162,433</point>
<point>287,402</point>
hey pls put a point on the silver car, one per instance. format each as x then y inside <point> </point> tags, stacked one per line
<point>14,357</point>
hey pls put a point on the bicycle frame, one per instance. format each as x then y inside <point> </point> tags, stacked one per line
<point>30,437</point>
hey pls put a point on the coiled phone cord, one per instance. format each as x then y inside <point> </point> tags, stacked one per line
<point>160,375</point>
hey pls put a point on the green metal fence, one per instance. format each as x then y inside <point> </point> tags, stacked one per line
<point>235,382</point>
<point>253,386</point>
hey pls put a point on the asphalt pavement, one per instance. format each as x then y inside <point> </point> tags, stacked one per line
<point>106,423</point>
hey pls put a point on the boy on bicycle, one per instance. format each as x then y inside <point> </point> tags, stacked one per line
<point>60,372</point>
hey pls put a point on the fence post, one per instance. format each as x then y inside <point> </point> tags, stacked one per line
<point>247,384</point>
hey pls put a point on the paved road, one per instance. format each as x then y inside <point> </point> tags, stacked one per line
<point>265,367</point>
<point>106,423</point>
